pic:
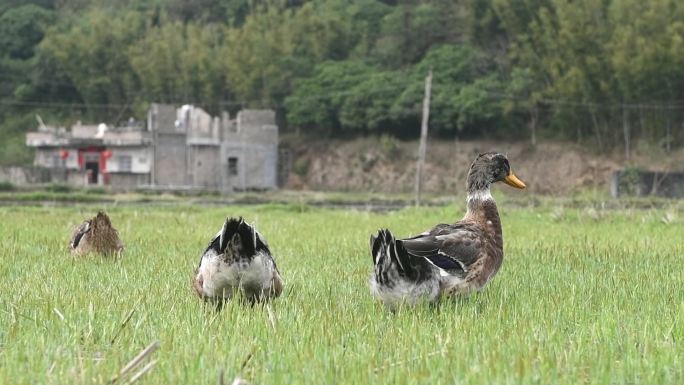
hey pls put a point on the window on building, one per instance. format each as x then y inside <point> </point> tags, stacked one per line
<point>232,165</point>
<point>125,162</point>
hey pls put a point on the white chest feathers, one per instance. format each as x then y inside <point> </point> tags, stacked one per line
<point>221,278</point>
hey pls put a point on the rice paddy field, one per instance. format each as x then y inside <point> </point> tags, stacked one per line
<point>585,296</point>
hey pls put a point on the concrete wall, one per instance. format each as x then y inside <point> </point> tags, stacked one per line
<point>46,157</point>
<point>36,139</point>
<point>141,160</point>
<point>122,138</point>
<point>18,175</point>
<point>643,183</point>
<point>84,131</point>
<point>195,120</point>
<point>253,126</point>
<point>50,158</point>
<point>256,168</point>
<point>76,178</point>
<point>162,118</point>
<point>253,140</point>
<point>128,181</point>
<point>170,159</point>
<point>205,166</point>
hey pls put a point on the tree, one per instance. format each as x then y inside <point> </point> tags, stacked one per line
<point>178,63</point>
<point>92,51</point>
<point>278,46</point>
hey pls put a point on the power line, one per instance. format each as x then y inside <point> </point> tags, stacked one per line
<point>57,104</point>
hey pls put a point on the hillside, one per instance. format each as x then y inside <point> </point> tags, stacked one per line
<point>388,165</point>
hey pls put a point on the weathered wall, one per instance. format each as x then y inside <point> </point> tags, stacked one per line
<point>50,157</point>
<point>128,181</point>
<point>141,160</point>
<point>76,178</point>
<point>253,126</point>
<point>161,117</point>
<point>18,175</point>
<point>196,121</point>
<point>205,166</point>
<point>170,160</point>
<point>46,157</point>
<point>256,168</point>
<point>253,140</point>
<point>84,131</point>
<point>122,138</point>
<point>643,183</point>
<point>21,175</point>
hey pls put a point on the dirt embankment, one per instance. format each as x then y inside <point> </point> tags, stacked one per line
<point>388,165</point>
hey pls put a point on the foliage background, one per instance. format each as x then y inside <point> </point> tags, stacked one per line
<point>589,71</point>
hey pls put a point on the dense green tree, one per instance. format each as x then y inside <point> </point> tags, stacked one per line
<point>92,51</point>
<point>317,100</point>
<point>358,97</point>
<point>178,63</point>
<point>277,46</point>
<point>21,28</point>
<point>412,28</point>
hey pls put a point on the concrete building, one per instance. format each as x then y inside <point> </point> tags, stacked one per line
<point>177,148</point>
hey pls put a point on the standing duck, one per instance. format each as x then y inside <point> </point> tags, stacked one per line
<point>450,258</point>
<point>96,235</point>
<point>237,260</point>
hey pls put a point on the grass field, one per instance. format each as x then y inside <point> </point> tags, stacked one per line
<point>584,296</point>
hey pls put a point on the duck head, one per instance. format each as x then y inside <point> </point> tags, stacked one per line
<point>488,168</point>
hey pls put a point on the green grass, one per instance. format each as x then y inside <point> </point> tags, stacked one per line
<point>584,296</point>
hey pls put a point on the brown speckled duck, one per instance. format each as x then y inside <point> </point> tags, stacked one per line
<point>450,258</point>
<point>96,235</point>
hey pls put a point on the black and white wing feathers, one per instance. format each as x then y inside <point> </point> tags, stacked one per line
<point>450,247</point>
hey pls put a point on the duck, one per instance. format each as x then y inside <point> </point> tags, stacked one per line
<point>96,235</point>
<point>237,260</point>
<point>448,259</point>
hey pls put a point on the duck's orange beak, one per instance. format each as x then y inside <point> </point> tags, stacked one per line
<point>513,181</point>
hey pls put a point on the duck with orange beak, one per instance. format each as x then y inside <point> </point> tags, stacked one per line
<point>448,259</point>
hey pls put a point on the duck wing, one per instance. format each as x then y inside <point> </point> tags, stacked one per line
<point>450,247</point>
<point>237,232</point>
<point>79,233</point>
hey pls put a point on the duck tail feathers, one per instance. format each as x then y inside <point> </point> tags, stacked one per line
<point>397,275</point>
<point>388,254</point>
<point>238,234</point>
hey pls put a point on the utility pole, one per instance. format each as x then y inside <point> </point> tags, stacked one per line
<point>626,130</point>
<point>423,138</point>
<point>668,127</point>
